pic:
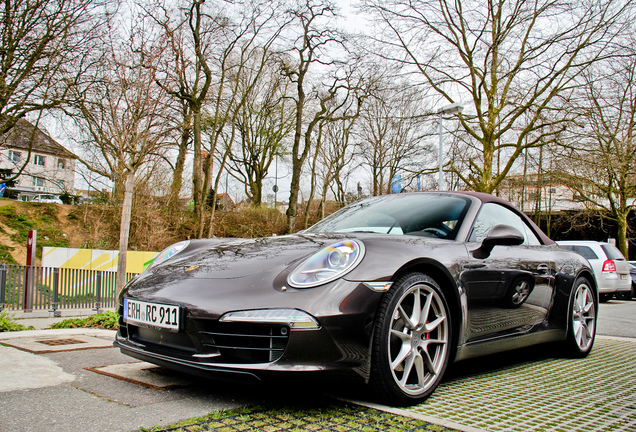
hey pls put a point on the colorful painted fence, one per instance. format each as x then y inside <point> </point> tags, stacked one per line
<point>50,288</point>
<point>94,259</point>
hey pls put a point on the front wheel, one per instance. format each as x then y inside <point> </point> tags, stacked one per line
<point>582,321</point>
<point>411,342</point>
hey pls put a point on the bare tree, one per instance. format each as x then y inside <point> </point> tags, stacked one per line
<point>333,152</point>
<point>124,114</point>
<point>338,160</point>
<point>263,123</point>
<point>190,80</point>
<point>514,61</point>
<point>391,131</point>
<point>600,162</point>
<point>313,51</point>
<point>43,49</point>
<point>222,41</point>
<point>174,74</point>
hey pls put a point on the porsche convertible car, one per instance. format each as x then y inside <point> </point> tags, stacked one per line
<point>391,288</point>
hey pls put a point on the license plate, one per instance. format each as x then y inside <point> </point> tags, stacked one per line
<point>152,314</point>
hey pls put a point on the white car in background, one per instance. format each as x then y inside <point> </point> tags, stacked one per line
<point>611,269</point>
<point>50,199</point>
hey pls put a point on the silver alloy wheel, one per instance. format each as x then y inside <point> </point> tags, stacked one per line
<point>522,291</point>
<point>583,317</point>
<point>418,340</point>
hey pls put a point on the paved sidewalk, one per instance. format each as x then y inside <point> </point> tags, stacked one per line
<point>57,380</point>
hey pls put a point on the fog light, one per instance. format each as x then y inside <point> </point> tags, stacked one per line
<point>294,318</point>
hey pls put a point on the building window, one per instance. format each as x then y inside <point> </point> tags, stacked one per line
<point>39,160</point>
<point>15,156</point>
<point>38,181</point>
<point>61,163</point>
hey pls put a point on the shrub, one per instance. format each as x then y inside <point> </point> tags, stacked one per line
<point>8,323</point>
<point>107,320</point>
<point>249,222</point>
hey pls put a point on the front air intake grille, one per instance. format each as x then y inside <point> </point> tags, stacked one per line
<point>245,343</point>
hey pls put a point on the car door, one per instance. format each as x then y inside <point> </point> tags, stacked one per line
<point>509,290</point>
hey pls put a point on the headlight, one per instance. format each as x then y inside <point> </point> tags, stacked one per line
<point>294,318</point>
<point>327,265</point>
<point>168,253</point>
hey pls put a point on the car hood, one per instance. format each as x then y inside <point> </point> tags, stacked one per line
<point>242,257</point>
<point>212,276</point>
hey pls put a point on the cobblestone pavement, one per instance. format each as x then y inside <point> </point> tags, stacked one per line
<point>597,393</point>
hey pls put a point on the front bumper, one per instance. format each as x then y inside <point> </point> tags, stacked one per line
<point>207,345</point>
<point>244,351</point>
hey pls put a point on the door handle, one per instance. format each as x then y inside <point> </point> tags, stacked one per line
<point>474,266</point>
<point>543,268</point>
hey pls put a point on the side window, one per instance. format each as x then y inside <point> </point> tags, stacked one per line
<point>491,215</point>
<point>586,251</point>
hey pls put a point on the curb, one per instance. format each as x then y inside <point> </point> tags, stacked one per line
<point>58,332</point>
<point>415,416</point>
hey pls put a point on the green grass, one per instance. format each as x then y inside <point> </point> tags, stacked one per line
<point>5,255</point>
<point>326,416</point>
<point>43,221</point>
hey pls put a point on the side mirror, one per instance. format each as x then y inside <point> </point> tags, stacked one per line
<point>500,235</point>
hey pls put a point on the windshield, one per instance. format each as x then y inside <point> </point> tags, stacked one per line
<point>419,214</point>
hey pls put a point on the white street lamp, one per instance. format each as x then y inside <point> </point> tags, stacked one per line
<point>448,109</point>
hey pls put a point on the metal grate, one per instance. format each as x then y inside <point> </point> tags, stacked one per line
<point>544,394</point>
<point>57,342</point>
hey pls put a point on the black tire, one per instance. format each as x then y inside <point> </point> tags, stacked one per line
<point>411,349</point>
<point>624,295</point>
<point>582,316</point>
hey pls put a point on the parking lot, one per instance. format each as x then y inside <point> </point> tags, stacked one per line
<point>77,381</point>
<point>536,392</point>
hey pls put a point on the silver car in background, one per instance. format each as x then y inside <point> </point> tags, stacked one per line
<point>611,269</point>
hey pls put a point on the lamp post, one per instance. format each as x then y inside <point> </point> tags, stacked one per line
<point>448,109</point>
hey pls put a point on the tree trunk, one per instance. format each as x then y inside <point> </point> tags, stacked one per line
<point>292,210</point>
<point>177,179</point>
<point>621,240</point>
<point>197,169</point>
<point>124,232</point>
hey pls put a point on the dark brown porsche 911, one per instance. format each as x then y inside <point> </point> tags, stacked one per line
<point>391,288</point>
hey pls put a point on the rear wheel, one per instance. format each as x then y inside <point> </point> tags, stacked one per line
<point>583,314</point>
<point>412,341</point>
<point>624,295</point>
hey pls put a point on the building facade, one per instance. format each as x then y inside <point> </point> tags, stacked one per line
<point>48,169</point>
